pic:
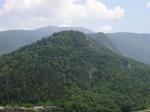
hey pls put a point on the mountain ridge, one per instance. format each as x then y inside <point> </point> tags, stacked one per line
<point>13,39</point>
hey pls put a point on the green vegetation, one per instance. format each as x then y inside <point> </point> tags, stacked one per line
<point>75,73</point>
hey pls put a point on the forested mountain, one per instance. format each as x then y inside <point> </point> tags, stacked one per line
<point>135,46</point>
<point>102,38</point>
<point>76,74</point>
<point>14,39</point>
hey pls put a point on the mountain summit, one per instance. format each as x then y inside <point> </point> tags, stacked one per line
<point>14,39</point>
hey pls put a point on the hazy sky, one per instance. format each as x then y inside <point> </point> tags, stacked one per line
<point>97,15</point>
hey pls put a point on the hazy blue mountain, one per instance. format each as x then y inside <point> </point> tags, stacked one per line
<point>135,46</point>
<point>14,39</point>
<point>52,29</point>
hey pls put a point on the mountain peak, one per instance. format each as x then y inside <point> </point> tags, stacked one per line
<point>14,39</point>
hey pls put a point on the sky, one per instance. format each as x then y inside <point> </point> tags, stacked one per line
<point>96,15</point>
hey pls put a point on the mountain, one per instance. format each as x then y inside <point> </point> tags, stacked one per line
<point>134,46</point>
<point>103,39</point>
<point>52,29</point>
<point>73,72</point>
<point>14,39</point>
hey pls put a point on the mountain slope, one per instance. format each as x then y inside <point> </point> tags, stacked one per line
<point>14,39</point>
<point>134,46</point>
<point>103,39</point>
<point>76,72</point>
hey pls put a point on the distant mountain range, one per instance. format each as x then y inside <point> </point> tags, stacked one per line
<point>132,45</point>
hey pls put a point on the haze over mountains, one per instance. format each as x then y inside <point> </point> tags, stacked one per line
<point>132,45</point>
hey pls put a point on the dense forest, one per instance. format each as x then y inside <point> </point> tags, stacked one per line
<point>75,73</point>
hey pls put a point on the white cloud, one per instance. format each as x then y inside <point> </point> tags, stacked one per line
<point>3,28</point>
<point>23,6</point>
<point>105,29</point>
<point>100,10</point>
<point>148,4</point>
<point>28,13</point>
